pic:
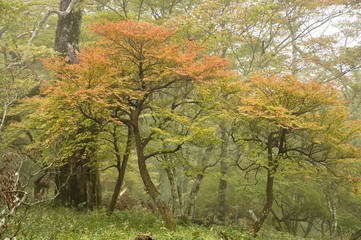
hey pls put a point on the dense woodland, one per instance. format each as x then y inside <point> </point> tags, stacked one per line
<point>242,117</point>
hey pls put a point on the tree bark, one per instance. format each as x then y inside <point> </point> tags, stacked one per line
<point>68,32</point>
<point>331,203</point>
<point>268,204</point>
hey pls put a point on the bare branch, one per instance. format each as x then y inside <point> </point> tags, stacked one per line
<point>3,30</point>
<point>6,106</point>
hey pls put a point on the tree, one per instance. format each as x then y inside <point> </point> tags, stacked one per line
<point>295,122</point>
<point>82,184</point>
<point>125,79</point>
<point>261,36</point>
<point>141,9</point>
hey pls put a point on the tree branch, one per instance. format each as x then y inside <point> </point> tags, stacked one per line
<point>163,152</point>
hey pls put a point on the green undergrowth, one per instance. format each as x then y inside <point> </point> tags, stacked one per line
<point>64,223</point>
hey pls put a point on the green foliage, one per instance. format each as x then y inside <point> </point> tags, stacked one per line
<point>63,223</point>
<point>265,37</point>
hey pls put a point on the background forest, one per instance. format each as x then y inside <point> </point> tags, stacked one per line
<point>180,119</point>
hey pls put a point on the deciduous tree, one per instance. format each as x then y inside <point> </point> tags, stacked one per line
<point>124,79</point>
<point>295,122</point>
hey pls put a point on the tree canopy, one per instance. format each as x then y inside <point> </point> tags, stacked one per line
<point>234,113</point>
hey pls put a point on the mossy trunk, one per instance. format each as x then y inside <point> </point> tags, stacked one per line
<point>78,180</point>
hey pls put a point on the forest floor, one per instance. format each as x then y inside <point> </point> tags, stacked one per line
<point>64,223</point>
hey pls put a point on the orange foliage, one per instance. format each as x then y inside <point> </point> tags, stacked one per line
<point>287,101</point>
<point>130,61</point>
<point>143,43</point>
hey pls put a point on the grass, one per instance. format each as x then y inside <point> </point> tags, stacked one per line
<point>63,223</point>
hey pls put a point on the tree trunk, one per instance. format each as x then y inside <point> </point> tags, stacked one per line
<point>41,184</point>
<point>189,211</point>
<point>222,204</point>
<point>356,235</point>
<point>144,173</point>
<point>68,32</point>
<point>309,227</point>
<point>84,183</point>
<point>331,204</point>
<point>121,166</point>
<point>267,206</point>
<point>175,198</point>
<point>78,179</point>
<point>271,170</point>
<point>61,181</point>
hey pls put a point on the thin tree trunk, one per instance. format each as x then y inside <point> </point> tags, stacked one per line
<point>61,181</point>
<point>144,173</point>
<point>267,206</point>
<point>121,166</point>
<point>222,204</point>
<point>309,227</point>
<point>189,211</point>
<point>333,210</point>
<point>271,170</point>
<point>170,170</point>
